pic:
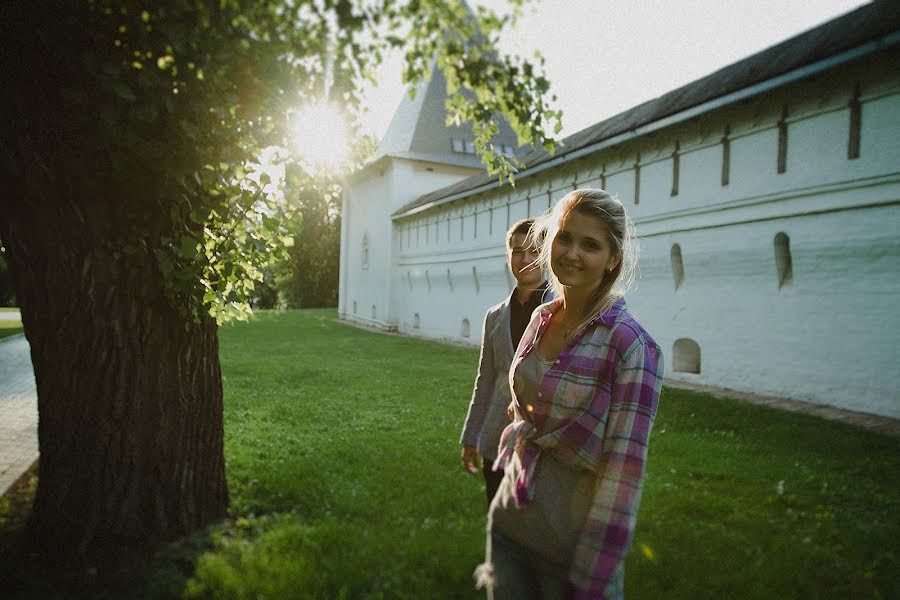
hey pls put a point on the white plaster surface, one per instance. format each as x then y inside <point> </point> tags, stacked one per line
<point>829,336</point>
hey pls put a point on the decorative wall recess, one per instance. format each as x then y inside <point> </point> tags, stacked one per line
<point>365,252</point>
<point>475,279</point>
<point>417,322</point>
<point>677,266</point>
<point>427,280</point>
<point>465,329</point>
<point>354,307</point>
<point>374,312</point>
<point>686,356</point>
<point>409,280</point>
<point>676,168</point>
<point>450,279</point>
<point>855,124</point>
<point>782,140</point>
<point>637,179</point>
<point>726,156</point>
<point>783,259</point>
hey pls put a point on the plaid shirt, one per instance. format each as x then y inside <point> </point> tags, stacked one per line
<point>594,409</point>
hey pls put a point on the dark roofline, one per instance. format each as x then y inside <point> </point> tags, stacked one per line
<point>848,37</point>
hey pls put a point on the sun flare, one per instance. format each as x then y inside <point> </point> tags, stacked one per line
<point>320,135</point>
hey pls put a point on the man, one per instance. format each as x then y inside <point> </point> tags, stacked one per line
<point>504,325</point>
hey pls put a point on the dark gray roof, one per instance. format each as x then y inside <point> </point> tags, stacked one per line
<point>866,24</point>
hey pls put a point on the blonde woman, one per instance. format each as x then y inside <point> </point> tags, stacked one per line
<point>585,384</point>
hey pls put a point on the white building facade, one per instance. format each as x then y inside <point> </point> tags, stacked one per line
<point>766,198</point>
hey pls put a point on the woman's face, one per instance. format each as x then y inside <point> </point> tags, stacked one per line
<point>581,252</point>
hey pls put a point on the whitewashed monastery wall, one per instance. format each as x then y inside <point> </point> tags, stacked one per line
<point>708,189</point>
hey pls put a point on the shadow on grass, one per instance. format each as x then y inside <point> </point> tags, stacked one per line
<point>24,577</point>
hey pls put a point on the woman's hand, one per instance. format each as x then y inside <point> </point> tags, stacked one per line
<point>470,459</point>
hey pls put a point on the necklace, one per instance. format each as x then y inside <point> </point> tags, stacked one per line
<point>569,330</point>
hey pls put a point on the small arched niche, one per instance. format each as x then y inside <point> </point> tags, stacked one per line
<point>354,307</point>
<point>417,321</point>
<point>686,356</point>
<point>677,266</point>
<point>365,251</point>
<point>783,259</point>
<point>465,330</point>
<point>374,313</point>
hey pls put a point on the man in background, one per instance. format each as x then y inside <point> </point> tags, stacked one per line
<point>504,325</point>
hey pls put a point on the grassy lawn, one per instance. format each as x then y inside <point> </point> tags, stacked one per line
<point>8,328</point>
<point>342,459</point>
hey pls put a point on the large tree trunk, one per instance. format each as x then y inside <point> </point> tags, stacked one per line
<point>129,390</point>
<point>129,395</point>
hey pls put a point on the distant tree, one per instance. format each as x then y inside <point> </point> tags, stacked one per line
<point>134,220</point>
<point>308,276</point>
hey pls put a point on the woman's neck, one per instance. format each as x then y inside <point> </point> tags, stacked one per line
<point>575,304</point>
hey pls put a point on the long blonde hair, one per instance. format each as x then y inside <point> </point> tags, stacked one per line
<point>619,229</point>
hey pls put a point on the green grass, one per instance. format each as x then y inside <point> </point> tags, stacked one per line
<point>9,328</point>
<point>342,460</point>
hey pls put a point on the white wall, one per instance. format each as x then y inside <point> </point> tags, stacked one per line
<point>370,199</point>
<point>829,335</point>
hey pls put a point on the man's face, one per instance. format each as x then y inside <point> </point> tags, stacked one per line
<point>523,262</point>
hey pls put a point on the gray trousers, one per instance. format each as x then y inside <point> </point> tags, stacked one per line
<point>519,575</point>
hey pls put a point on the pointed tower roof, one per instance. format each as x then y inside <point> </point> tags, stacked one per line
<point>418,130</point>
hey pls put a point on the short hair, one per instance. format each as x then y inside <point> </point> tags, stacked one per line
<point>520,226</point>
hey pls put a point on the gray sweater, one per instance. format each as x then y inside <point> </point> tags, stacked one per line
<point>490,397</point>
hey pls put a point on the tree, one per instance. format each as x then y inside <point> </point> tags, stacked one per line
<point>308,276</point>
<point>134,219</point>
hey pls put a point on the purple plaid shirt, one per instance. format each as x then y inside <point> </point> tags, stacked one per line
<point>594,409</point>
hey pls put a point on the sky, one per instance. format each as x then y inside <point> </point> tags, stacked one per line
<point>606,56</point>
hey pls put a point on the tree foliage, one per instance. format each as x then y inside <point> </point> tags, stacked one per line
<point>308,276</point>
<point>137,215</point>
<point>175,101</point>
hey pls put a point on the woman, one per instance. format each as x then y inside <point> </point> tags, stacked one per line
<point>585,384</point>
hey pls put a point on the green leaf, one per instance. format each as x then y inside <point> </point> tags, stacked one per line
<point>123,91</point>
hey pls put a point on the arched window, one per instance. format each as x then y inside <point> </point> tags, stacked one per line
<point>686,356</point>
<point>677,266</point>
<point>783,259</point>
<point>417,322</point>
<point>365,251</point>
<point>475,278</point>
<point>465,330</point>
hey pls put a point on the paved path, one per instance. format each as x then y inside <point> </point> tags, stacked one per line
<point>18,410</point>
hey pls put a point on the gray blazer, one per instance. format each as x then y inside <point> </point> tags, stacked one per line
<point>487,410</point>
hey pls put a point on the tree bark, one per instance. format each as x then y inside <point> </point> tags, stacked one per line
<point>129,394</point>
<point>129,388</point>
